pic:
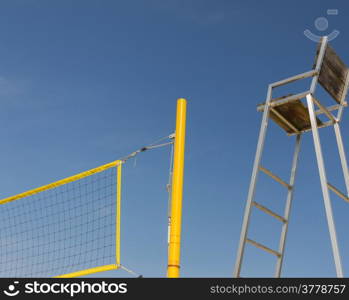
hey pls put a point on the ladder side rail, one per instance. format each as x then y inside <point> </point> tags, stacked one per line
<point>324,187</point>
<point>288,205</point>
<point>253,182</point>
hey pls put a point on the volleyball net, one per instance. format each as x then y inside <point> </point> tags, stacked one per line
<point>71,227</point>
<point>68,228</point>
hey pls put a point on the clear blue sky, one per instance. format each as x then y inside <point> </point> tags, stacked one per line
<point>83,83</point>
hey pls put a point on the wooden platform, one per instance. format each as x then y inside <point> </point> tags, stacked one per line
<point>295,113</point>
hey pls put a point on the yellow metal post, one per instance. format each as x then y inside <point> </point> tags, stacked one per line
<point>177,192</point>
<point>118,213</point>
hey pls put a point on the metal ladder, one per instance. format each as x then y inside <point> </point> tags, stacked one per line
<point>253,204</point>
<point>284,220</point>
<point>330,72</point>
<point>325,185</point>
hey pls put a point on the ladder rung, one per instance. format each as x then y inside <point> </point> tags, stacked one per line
<point>269,212</point>
<point>337,192</point>
<point>265,248</point>
<point>276,178</point>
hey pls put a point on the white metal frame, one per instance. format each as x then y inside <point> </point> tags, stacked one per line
<point>325,185</point>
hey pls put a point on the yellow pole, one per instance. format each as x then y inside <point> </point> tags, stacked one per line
<point>177,192</point>
<point>118,213</point>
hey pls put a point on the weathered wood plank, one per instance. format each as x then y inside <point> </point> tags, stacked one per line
<point>295,113</point>
<point>333,73</point>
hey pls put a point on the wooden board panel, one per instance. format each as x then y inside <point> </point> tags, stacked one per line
<point>294,112</point>
<point>333,73</point>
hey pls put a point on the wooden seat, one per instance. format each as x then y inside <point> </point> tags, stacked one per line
<point>295,113</point>
<point>290,113</point>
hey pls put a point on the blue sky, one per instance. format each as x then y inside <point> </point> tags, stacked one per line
<point>83,83</point>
